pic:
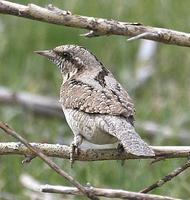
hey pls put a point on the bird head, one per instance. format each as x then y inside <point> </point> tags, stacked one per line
<point>71,59</point>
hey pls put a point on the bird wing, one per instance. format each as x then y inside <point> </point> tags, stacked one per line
<point>107,100</point>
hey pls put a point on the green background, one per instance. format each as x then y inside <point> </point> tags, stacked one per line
<point>164,99</point>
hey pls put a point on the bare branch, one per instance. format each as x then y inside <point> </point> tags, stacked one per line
<point>98,26</point>
<point>109,193</point>
<point>167,178</point>
<point>63,151</point>
<point>30,183</point>
<point>36,103</point>
<point>49,162</point>
<point>32,188</point>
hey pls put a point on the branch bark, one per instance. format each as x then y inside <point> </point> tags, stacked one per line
<point>63,151</point>
<point>109,193</point>
<point>97,26</point>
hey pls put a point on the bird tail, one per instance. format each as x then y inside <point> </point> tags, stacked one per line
<point>128,137</point>
<point>133,143</point>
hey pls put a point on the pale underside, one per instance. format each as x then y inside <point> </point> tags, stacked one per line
<point>91,127</point>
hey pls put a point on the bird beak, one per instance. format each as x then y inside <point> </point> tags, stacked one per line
<point>47,53</point>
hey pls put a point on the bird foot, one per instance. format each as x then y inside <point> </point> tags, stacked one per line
<point>74,148</point>
<point>120,148</point>
<point>73,151</point>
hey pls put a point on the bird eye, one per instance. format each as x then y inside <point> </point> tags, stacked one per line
<point>66,55</point>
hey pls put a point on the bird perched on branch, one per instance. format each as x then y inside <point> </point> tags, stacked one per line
<point>96,106</point>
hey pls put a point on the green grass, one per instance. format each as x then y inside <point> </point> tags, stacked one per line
<point>164,99</point>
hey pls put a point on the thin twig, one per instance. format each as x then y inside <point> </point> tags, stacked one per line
<point>109,193</point>
<point>32,188</point>
<point>53,165</point>
<point>141,36</point>
<point>167,178</point>
<point>97,26</point>
<point>91,154</point>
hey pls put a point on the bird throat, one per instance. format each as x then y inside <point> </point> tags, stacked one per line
<point>69,75</point>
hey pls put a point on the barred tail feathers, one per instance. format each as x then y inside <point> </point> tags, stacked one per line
<point>126,134</point>
<point>133,143</point>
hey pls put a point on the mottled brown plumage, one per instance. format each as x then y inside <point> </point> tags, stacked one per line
<point>78,95</point>
<point>96,106</point>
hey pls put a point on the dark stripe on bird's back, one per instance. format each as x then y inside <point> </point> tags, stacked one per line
<point>130,118</point>
<point>77,82</point>
<point>100,78</point>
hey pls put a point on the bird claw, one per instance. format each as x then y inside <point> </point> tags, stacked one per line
<point>74,151</point>
<point>74,148</point>
<point>120,148</point>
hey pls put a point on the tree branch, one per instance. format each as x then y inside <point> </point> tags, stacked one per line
<point>109,193</point>
<point>63,151</point>
<point>97,26</point>
<point>167,178</point>
<point>36,103</point>
<point>32,187</point>
<point>49,162</point>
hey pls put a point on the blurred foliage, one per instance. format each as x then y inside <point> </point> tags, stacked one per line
<point>165,99</point>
